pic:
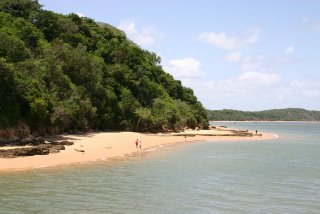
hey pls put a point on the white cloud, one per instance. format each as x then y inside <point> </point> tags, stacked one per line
<point>306,88</point>
<point>234,57</point>
<point>145,35</point>
<point>317,26</point>
<point>311,24</point>
<point>253,36</point>
<point>221,40</point>
<point>184,68</point>
<point>258,79</point>
<point>260,85</point>
<point>287,57</point>
<point>258,91</point>
<point>248,90</point>
<point>305,20</point>
<point>245,82</point>
<point>289,50</point>
<point>257,64</point>
<point>80,14</point>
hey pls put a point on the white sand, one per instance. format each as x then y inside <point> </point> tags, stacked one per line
<point>104,145</point>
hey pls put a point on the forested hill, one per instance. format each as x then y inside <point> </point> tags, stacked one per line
<point>289,114</point>
<point>64,72</point>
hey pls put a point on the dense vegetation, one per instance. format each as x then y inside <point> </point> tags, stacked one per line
<point>289,114</point>
<point>60,73</point>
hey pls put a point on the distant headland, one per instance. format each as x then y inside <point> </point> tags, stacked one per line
<point>287,114</point>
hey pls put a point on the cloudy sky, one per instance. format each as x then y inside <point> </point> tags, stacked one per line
<point>240,54</point>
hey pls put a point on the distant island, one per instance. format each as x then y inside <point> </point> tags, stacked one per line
<point>288,114</point>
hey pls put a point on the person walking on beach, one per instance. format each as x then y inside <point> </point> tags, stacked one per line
<point>140,144</point>
<point>137,143</point>
<point>256,132</point>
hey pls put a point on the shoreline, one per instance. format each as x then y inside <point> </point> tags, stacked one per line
<point>94,146</point>
<point>267,121</point>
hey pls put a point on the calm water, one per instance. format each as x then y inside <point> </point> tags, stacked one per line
<point>276,176</point>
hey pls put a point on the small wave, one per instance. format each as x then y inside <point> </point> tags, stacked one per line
<point>275,135</point>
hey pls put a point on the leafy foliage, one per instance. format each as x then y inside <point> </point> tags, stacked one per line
<point>64,73</point>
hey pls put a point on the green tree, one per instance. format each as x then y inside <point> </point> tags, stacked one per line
<point>19,8</point>
<point>12,48</point>
<point>67,73</point>
<point>9,108</point>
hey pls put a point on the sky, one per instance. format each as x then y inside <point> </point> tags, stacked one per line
<point>235,54</point>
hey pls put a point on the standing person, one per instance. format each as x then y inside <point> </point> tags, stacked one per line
<point>140,144</point>
<point>256,132</point>
<point>137,143</point>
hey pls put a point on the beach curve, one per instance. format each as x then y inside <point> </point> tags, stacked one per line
<point>95,146</point>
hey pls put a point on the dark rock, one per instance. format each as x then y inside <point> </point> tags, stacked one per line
<point>64,142</point>
<point>40,149</point>
<point>56,148</point>
<point>212,127</point>
<point>28,141</point>
<point>18,152</point>
<point>31,141</point>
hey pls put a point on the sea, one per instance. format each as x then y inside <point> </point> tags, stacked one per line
<point>281,175</point>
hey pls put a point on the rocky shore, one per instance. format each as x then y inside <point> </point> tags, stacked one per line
<point>31,146</point>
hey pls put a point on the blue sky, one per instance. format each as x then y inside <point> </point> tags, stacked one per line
<point>245,54</point>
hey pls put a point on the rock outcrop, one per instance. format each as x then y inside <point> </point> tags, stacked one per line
<point>27,141</point>
<point>37,147</point>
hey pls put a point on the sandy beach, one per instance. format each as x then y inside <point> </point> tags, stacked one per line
<point>106,145</point>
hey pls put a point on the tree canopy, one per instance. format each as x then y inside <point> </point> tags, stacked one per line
<point>65,73</point>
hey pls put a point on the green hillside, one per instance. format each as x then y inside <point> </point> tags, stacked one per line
<point>289,114</point>
<point>65,73</point>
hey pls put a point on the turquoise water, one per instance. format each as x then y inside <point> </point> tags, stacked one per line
<point>273,176</point>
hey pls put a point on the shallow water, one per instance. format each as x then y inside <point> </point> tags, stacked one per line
<point>272,176</point>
